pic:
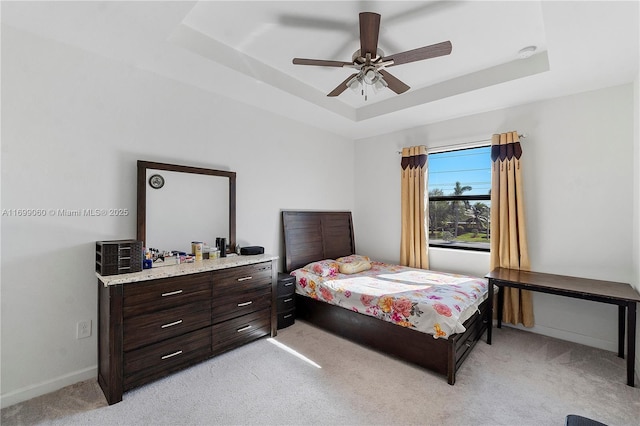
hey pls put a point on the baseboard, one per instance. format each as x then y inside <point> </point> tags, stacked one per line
<point>580,339</point>
<point>569,336</point>
<point>32,391</point>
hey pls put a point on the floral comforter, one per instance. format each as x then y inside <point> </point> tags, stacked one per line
<point>431,302</point>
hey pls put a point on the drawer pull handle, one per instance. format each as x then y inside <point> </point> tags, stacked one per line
<point>171,293</point>
<point>172,355</point>
<point>243,328</point>
<point>288,300</point>
<point>245,278</point>
<point>245,303</point>
<point>288,284</point>
<point>171,324</point>
<point>287,316</point>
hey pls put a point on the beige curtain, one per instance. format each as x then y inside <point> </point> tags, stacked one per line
<point>508,233</point>
<point>413,245</point>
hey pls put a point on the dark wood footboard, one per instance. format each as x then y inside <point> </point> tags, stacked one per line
<point>442,356</point>
<point>463,343</point>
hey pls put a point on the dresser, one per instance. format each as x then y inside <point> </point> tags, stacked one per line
<point>161,320</point>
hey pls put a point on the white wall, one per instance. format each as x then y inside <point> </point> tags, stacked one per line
<point>73,126</point>
<point>578,180</point>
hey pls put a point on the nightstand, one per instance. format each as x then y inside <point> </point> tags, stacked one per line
<point>286,304</point>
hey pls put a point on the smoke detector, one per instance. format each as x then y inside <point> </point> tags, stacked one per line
<point>527,52</point>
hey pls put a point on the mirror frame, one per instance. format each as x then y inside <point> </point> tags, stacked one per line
<point>142,195</point>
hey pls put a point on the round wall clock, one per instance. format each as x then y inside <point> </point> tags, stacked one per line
<point>156,181</point>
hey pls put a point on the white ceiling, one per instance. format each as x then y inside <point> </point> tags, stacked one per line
<point>243,50</point>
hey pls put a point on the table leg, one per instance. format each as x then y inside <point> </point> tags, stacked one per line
<point>621,318</point>
<point>490,312</point>
<point>500,305</point>
<point>631,342</point>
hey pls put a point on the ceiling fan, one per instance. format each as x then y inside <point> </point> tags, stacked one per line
<point>370,62</point>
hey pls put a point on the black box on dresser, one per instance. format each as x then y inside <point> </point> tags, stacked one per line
<point>286,302</point>
<point>118,257</point>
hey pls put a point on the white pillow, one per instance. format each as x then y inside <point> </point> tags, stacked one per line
<point>352,258</point>
<point>354,267</point>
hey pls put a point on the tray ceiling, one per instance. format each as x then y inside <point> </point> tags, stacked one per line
<point>243,50</point>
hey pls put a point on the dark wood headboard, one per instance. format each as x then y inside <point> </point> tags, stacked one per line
<point>315,235</point>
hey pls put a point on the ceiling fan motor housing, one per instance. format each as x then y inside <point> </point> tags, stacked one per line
<point>358,59</point>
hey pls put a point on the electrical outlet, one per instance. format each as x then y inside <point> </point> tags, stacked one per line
<point>83,329</point>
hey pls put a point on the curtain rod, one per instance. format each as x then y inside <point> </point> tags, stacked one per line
<point>466,144</point>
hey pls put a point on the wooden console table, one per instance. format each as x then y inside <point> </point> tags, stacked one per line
<point>615,293</point>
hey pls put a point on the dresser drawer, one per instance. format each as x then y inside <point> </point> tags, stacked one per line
<point>241,278</point>
<point>238,331</point>
<point>140,298</point>
<point>155,361</point>
<point>149,328</point>
<point>286,303</point>
<point>240,301</point>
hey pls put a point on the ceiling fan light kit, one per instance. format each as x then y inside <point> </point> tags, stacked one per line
<point>370,62</point>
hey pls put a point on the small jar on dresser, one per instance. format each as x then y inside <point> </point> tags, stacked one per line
<point>286,303</point>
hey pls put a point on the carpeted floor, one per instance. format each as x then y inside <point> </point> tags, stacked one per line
<point>522,379</point>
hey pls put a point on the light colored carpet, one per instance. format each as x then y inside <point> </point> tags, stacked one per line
<point>522,379</point>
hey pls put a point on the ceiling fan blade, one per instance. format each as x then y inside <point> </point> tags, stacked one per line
<point>421,53</point>
<point>393,83</point>
<point>369,30</point>
<point>315,22</point>
<point>320,62</point>
<point>342,86</point>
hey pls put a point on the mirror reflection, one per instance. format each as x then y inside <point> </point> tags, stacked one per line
<point>188,207</point>
<point>179,204</point>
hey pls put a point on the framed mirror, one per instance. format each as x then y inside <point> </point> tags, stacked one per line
<point>180,204</point>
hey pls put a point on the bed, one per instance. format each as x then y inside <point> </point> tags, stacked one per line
<point>312,237</point>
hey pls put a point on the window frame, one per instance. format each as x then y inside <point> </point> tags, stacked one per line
<point>477,197</point>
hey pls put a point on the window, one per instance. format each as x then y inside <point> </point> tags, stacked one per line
<point>459,185</point>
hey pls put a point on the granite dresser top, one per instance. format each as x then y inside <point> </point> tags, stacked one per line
<point>184,269</point>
